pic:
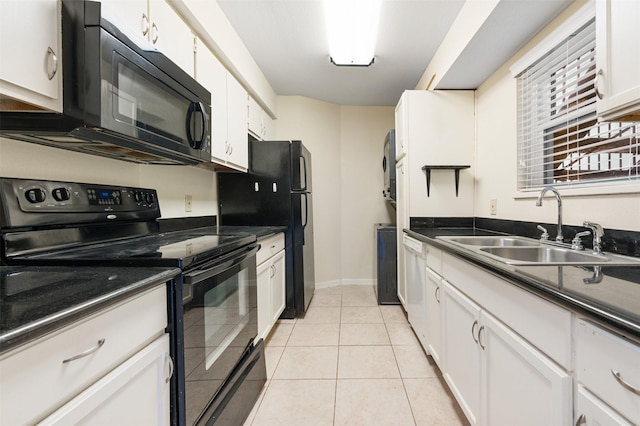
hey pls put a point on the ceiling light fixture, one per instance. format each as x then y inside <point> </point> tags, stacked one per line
<point>352,27</point>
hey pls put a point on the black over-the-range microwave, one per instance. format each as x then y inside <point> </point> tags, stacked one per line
<point>121,98</point>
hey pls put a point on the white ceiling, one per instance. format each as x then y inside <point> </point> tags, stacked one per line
<point>288,42</point>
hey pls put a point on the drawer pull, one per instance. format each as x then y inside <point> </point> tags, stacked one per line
<point>627,386</point>
<point>85,353</point>
<point>168,360</point>
<point>581,420</point>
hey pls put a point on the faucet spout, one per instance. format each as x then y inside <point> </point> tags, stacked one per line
<point>559,236</point>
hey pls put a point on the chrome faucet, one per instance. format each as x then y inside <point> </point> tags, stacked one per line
<point>598,232</point>
<point>559,236</point>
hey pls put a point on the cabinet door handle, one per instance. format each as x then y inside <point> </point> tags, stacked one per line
<point>623,383</point>
<point>52,55</point>
<point>85,353</point>
<point>473,334</point>
<point>581,420</point>
<point>273,271</point>
<point>480,337</point>
<point>144,24</point>
<point>167,359</point>
<point>595,83</point>
<point>155,33</point>
<point>435,293</point>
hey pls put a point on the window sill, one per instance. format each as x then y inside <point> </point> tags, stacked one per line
<point>586,190</point>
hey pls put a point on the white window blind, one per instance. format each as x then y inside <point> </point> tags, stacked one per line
<point>560,140</point>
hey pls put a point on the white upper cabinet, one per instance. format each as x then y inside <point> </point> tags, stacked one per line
<point>158,23</point>
<point>30,54</point>
<point>237,139</point>
<point>618,59</point>
<point>229,146</point>
<point>213,76</point>
<point>258,120</point>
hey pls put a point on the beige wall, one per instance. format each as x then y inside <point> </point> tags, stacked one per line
<point>496,161</point>
<point>346,147</point>
<point>27,160</point>
<point>362,141</point>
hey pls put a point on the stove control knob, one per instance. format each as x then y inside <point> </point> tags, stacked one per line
<point>138,196</point>
<point>149,198</point>
<point>35,195</point>
<point>61,194</point>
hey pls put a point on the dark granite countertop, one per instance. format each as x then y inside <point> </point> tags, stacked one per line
<point>613,299</point>
<point>258,231</point>
<point>37,300</point>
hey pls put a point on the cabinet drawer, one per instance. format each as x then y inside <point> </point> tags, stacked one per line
<point>37,376</point>
<point>269,246</point>
<point>599,355</point>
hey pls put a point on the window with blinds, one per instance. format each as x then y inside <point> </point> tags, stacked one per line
<point>560,140</point>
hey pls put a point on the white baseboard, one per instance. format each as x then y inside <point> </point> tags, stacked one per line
<point>344,282</point>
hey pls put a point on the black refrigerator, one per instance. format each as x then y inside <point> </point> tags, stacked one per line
<point>276,192</point>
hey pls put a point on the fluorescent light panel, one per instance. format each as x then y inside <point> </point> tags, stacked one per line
<point>352,27</point>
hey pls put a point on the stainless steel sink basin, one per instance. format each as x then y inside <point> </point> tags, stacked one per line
<point>493,241</point>
<point>545,255</point>
<point>523,251</point>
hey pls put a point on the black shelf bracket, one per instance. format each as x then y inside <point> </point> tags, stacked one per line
<point>456,169</point>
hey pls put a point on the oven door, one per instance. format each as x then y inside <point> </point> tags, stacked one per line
<point>219,326</point>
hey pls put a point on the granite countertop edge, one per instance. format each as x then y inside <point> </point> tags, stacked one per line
<point>32,331</point>
<point>526,282</point>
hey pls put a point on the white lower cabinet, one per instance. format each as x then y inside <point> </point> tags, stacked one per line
<point>434,315</point>
<point>137,392</point>
<point>591,411</point>
<point>461,351</point>
<point>271,281</point>
<point>497,377</point>
<point>93,362</point>
<point>520,385</point>
<point>608,365</point>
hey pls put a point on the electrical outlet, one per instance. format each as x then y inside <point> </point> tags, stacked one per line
<point>494,206</point>
<point>188,203</point>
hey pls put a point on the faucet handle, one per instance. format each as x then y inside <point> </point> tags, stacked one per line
<point>576,243</point>
<point>545,234</point>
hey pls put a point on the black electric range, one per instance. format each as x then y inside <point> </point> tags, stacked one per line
<point>81,225</point>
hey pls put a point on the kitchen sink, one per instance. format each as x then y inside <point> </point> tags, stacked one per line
<point>523,251</point>
<point>493,241</point>
<point>542,255</point>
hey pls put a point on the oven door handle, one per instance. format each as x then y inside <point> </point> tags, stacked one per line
<point>220,265</point>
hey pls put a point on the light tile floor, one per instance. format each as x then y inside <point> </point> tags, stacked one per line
<point>350,361</point>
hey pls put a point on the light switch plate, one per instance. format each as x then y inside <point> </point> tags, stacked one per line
<point>188,203</point>
<point>494,206</point>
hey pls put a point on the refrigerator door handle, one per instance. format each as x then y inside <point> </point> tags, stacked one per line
<point>303,173</point>
<point>306,215</point>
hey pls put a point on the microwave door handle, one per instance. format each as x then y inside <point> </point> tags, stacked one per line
<point>199,109</point>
